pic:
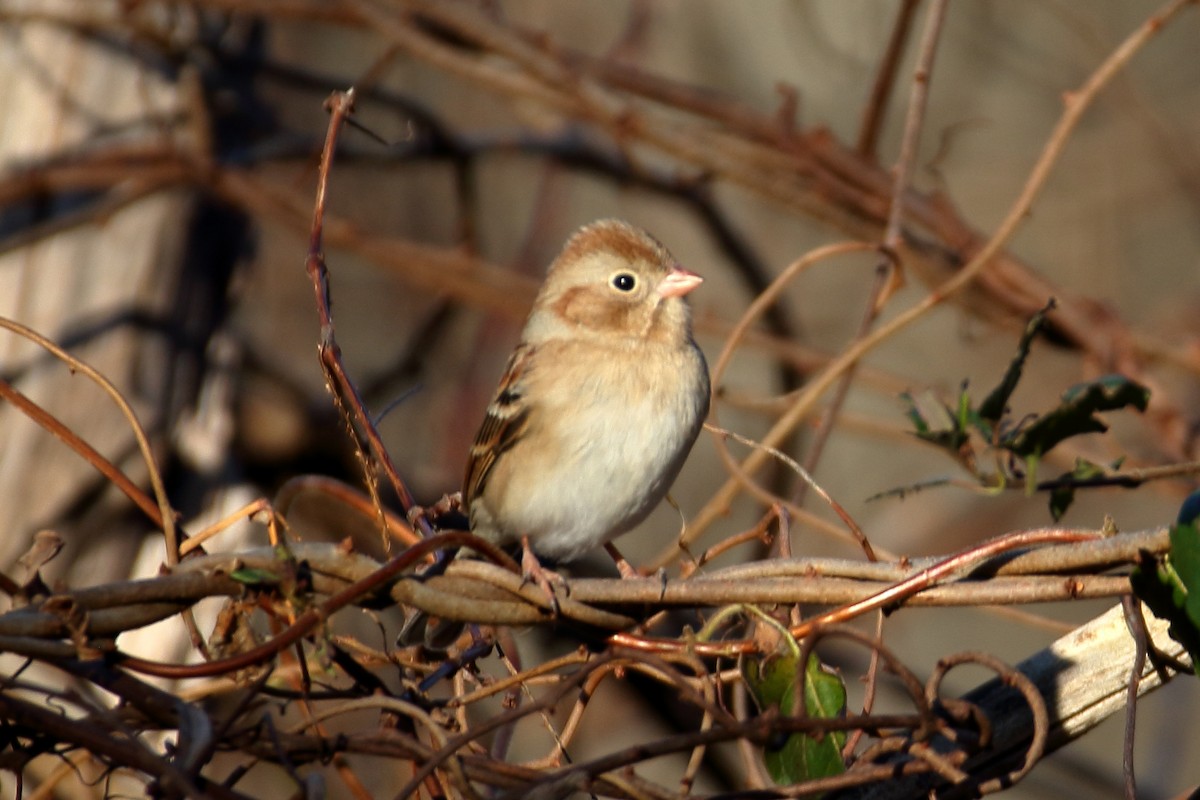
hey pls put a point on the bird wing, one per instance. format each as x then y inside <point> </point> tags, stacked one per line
<point>506,420</point>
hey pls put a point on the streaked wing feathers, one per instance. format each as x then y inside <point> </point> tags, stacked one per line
<point>506,419</point>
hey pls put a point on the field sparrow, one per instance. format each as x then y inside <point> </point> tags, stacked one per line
<point>600,403</point>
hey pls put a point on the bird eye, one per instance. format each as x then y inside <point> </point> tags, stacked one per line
<point>624,281</point>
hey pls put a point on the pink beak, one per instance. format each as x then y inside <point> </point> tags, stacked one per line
<point>679,282</point>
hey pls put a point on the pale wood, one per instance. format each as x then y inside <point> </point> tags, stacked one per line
<point>1083,678</point>
<point>62,91</point>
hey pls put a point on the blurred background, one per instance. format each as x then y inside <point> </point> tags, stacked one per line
<point>157,168</point>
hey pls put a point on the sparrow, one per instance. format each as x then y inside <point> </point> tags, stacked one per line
<point>599,406</point>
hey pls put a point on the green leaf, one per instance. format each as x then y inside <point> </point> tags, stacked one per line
<point>995,404</point>
<point>1185,558</point>
<point>1170,585</point>
<point>1061,497</point>
<point>799,757</point>
<point>1189,512</point>
<point>946,432</point>
<point>967,416</point>
<point>1158,586</point>
<point>255,576</point>
<point>920,426</point>
<point>1075,415</point>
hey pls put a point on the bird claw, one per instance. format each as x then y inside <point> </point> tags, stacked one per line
<point>624,568</point>
<point>533,572</point>
<point>661,574</point>
<point>627,570</point>
<point>450,503</point>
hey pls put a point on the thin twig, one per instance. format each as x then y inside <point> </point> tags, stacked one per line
<point>1076,103</point>
<point>881,90</point>
<point>1137,629</point>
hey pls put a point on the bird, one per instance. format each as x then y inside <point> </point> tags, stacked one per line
<point>599,406</point>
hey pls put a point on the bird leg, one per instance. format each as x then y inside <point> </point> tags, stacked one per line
<point>450,503</point>
<point>532,571</point>
<point>626,569</point>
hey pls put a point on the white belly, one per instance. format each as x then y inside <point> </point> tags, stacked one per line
<point>607,470</point>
